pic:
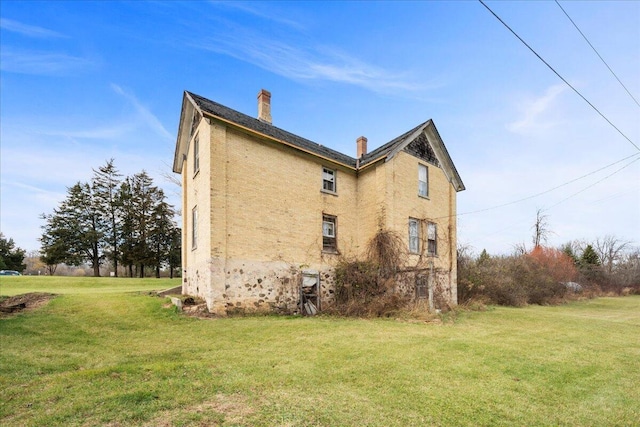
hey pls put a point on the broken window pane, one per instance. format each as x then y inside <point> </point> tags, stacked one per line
<point>329,180</point>
<point>329,233</point>
<point>432,239</point>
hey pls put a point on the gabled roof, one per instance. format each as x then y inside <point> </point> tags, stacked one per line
<point>208,108</point>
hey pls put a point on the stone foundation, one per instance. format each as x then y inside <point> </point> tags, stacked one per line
<point>241,286</point>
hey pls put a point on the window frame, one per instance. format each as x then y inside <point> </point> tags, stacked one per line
<point>330,242</point>
<point>414,239</point>
<point>423,185</point>
<point>333,182</point>
<point>432,243</point>
<point>196,154</point>
<point>194,227</point>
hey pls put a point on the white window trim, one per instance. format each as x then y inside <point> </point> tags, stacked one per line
<point>194,228</point>
<point>334,236</point>
<point>414,238</point>
<point>196,155</point>
<point>334,182</point>
<point>432,235</point>
<point>422,167</point>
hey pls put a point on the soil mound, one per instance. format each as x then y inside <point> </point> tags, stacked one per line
<point>19,303</point>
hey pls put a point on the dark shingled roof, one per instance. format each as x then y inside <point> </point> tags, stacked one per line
<point>249,122</point>
<point>388,147</point>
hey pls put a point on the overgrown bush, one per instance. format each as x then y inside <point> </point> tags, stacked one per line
<point>366,288</point>
<point>537,277</point>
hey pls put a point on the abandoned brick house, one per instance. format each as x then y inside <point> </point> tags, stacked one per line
<point>265,210</point>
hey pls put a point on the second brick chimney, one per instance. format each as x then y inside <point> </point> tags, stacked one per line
<point>362,147</point>
<point>264,106</point>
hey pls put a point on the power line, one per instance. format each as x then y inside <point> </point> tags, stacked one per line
<point>637,157</point>
<point>597,53</point>
<point>558,74</point>
<point>595,183</point>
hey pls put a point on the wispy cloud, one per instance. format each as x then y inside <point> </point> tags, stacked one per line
<point>41,63</point>
<point>38,193</point>
<point>253,10</point>
<point>309,64</point>
<point>28,30</point>
<point>145,114</point>
<point>534,110</point>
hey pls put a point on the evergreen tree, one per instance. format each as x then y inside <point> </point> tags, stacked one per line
<point>589,257</point>
<point>175,250</point>
<point>73,233</point>
<point>145,196</point>
<point>105,183</point>
<point>11,257</point>
<point>161,232</point>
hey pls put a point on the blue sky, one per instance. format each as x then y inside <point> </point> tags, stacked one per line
<point>83,82</point>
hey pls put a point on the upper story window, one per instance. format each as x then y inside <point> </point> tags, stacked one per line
<point>194,227</point>
<point>423,181</point>
<point>414,236</point>
<point>329,180</point>
<point>329,233</point>
<point>432,239</point>
<point>196,154</point>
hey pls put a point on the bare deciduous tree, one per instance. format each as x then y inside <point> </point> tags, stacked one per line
<point>541,229</point>
<point>610,249</point>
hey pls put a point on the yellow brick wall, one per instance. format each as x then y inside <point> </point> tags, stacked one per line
<point>404,203</point>
<point>260,209</point>
<point>275,203</point>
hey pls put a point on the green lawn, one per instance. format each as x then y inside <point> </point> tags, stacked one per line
<point>101,355</point>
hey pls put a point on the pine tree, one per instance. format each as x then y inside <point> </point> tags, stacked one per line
<point>11,257</point>
<point>105,183</point>
<point>73,233</point>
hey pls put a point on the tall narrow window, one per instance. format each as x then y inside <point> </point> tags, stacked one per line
<point>194,227</point>
<point>423,181</point>
<point>329,233</point>
<point>414,236</point>
<point>432,239</point>
<point>329,180</point>
<point>196,154</point>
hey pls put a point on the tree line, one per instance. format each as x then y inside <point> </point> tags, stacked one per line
<point>544,275</point>
<point>124,221</point>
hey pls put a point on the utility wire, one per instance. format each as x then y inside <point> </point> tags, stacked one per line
<point>558,74</point>
<point>637,157</point>
<point>595,183</point>
<point>597,53</point>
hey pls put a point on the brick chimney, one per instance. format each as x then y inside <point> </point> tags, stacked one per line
<point>362,147</point>
<point>264,106</point>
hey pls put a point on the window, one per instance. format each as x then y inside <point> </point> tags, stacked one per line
<point>329,233</point>
<point>423,181</point>
<point>432,239</point>
<point>414,236</point>
<point>329,180</point>
<point>194,227</point>
<point>196,155</point>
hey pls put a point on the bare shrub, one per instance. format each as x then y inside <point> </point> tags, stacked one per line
<point>366,288</point>
<point>536,277</point>
<point>386,251</point>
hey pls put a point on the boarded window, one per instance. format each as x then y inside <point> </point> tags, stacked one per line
<point>329,233</point>
<point>329,180</point>
<point>423,181</point>
<point>414,236</point>
<point>196,154</point>
<point>194,227</point>
<point>422,287</point>
<point>432,239</point>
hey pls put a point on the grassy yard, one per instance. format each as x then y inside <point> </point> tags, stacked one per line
<point>100,354</point>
